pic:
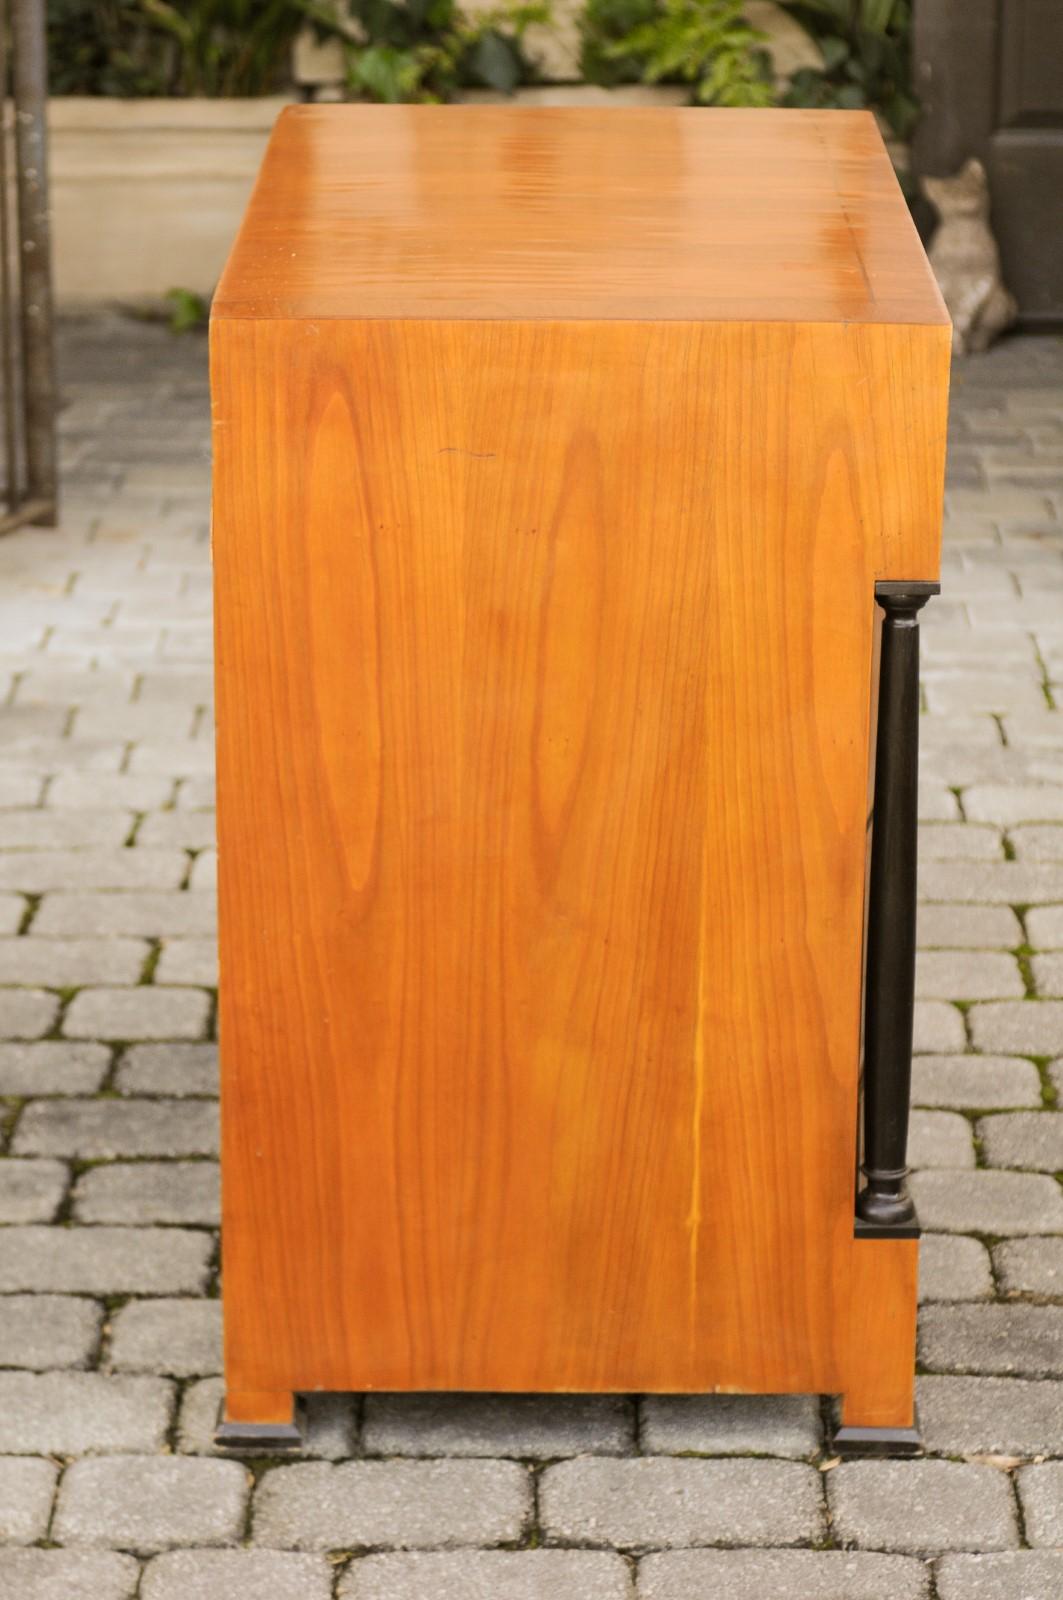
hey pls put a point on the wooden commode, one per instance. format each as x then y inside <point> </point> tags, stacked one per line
<point>559,457</point>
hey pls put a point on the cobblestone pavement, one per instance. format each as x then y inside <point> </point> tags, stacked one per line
<point>109,1309</point>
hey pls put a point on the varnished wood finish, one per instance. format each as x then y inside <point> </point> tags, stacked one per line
<point>544,647</point>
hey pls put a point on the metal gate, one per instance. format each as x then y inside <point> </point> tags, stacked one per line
<point>27,358</point>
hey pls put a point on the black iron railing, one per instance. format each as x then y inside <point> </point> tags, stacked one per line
<point>28,490</point>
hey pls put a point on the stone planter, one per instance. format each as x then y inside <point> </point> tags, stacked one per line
<point>146,194</point>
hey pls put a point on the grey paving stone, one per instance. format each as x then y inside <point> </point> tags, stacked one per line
<point>409,1504</point>
<point>204,877</point>
<point>790,1574</point>
<point>183,830</point>
<point>959,841</point>
<point>86,791</point>
<point>65,830</point>
<point>72,1413</point>
<point>95,1129</point>
<point>940,1139</point>
<point>731,1424</point>
<point>1045,927</point>
<point>104,1260</point>
<point>27,1485</point>
<point>152,915</point>
<point>146,1503</point>
<point>178,1338</point>
<point>329,1422</point>
<point>1015,1575</point>
<point>46,1066</point>
<point>496,1425</point>
<point>1035,842</point>
<point>1048,974</point>
<point>135,721</point>
<point>188,960</point>
<point>987,1202</point>
<point>174,1069</point>
<point>67,963</point>
<point>922,1506</point>
<point>142,1013</point>
<point>1009,1339</point>
<point>952,1267</point>
<point>992,803</point>
<point>936,803</point>
<point>1030,1266</point>
<point>1029,1027</point>
<point>26,1013</point>
<point>488,1575</point>
<point>196,794</point>
<point>37,871</point>
<point>974,1082</point>
<point>44,1331</point>
<point>12,911</point>
<point>657,1502</point>
<point>1024,1139</point>
<point>938,1027</point>
<point>1041,1494</point>
<point>967,975</point>
<point>990,1416</point>
<point>18,789</point>
<point>236,1575</point>
<point>1007,883</point>
<point>67,1575</point>
<point>1001,693</point>
<point>31,1191</point>
<point>150,1191</point>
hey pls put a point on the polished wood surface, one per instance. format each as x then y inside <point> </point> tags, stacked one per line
<point>488,211</point>
<point>544,656</point>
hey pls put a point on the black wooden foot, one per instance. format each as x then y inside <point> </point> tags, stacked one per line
<point>850,1441</point>
<point>264,1438</point>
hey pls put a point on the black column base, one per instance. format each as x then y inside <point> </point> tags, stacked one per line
<point>856,1442</point>
<point>264,1438</point>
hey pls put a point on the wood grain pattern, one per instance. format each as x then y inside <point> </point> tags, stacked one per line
<point>544,657</point>
<point>516,212</point>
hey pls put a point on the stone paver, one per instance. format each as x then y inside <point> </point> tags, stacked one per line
<point>180,1338</point>
<point>1031,1140</point>
<point>95,1129</point>
<point>922,1506</point>
<point>723,1425</point>
<point>145,1503</point>
<point>48,1066</point>
<point>1016,1575</point>
<point>104,1260</point>
<point>107,971</point>
<point>27,1485</point>
<point>940,1139</point>
<point>67,1575</point>
<point>658,1502</point>
<point>31,1191</point>
<point>789,1574</point>
<point>149,1191</point>
<point>990,1416</point>
<point>1041,1494</point>
<point>141,1013</point>
<point>171,1069</point>
<point>975,1082</point>
<point>1030,1266</point>
<point>43,1331</point>
<point>1026,1027</point>
<point>236,1575</point>
<point>953,1268</point>
<point>312,1506</point>
<point>71,1413</point>
<point>988,1202</point>
<point>488,1575</point>
<point>497,1425</point>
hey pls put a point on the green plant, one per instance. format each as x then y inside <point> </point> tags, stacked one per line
<point>864,44</point>
<point>426,49</point>
<point>605,27</point>
<point>188,310</point>
<point>706,43</point>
